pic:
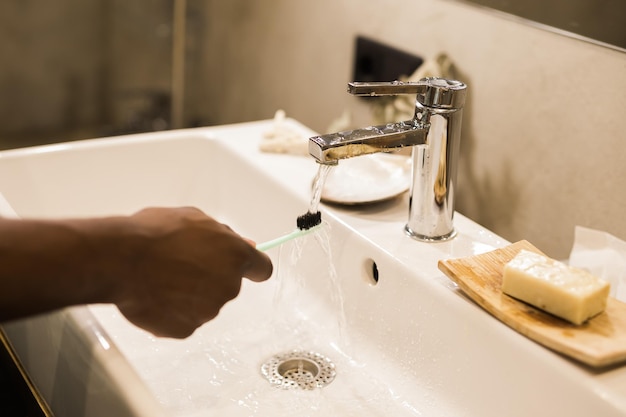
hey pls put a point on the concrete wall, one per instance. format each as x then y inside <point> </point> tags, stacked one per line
<point>73,69</point>
<point>544,126</point>
<point>50,64</point>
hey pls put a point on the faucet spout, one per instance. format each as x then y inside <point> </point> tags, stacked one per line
<point>434,135</point>
<point>328,149</point>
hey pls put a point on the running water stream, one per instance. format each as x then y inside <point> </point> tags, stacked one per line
<point>318,186</point>
<point>297,257</point>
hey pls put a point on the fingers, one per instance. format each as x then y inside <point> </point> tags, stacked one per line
<point>259,267</point>
<point>208,260</point>
<point>256,265</point>
<point>161,323</point>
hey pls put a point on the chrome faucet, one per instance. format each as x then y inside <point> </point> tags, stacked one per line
<point>434,133</point>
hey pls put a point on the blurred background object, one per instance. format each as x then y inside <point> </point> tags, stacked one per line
<point>76,69</point>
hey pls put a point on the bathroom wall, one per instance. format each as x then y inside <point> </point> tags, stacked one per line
<point>544,126</point>
<point>73,69</point>
<point>50,65</point>
<point>541,148</point>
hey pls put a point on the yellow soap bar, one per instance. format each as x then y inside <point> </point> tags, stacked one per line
<point>567,292</point>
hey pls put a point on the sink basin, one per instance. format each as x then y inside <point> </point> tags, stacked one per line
<point>357,306</point>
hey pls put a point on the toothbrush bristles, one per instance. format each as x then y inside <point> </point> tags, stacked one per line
<point>308,220</point>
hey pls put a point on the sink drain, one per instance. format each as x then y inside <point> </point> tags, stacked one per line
<point>299,370</point>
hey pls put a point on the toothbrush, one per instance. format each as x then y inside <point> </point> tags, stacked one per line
<point>307,223</point>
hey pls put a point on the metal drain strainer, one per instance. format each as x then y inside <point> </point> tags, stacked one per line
<point>299,369</point>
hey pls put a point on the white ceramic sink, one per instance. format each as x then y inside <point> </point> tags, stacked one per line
<point>408,345</point>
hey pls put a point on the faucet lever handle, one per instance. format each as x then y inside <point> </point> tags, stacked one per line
<point>431,92</point>
<point>392,88</point>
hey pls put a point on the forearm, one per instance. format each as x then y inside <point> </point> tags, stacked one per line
<point>46,265</point>
<point>168,270</point>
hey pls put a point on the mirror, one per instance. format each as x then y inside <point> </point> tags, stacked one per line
<point>599,21</point>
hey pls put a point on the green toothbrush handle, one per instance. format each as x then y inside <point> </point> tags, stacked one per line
<point>285,238</point>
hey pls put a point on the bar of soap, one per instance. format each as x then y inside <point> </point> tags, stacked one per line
<point>564,291</point>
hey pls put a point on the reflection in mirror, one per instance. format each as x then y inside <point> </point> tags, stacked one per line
<point>598,21</point>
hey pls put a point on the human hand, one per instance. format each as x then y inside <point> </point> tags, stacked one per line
<point>184,267</point>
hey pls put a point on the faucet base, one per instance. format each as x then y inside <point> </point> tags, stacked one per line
<point>430,239</point>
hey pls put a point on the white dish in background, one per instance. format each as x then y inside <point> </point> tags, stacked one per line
<point>367,179</point>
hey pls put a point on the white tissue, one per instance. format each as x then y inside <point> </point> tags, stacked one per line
<point>283,138</point>
<point>603,255</point>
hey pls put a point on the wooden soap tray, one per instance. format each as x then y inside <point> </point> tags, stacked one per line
<point>601,341</point>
